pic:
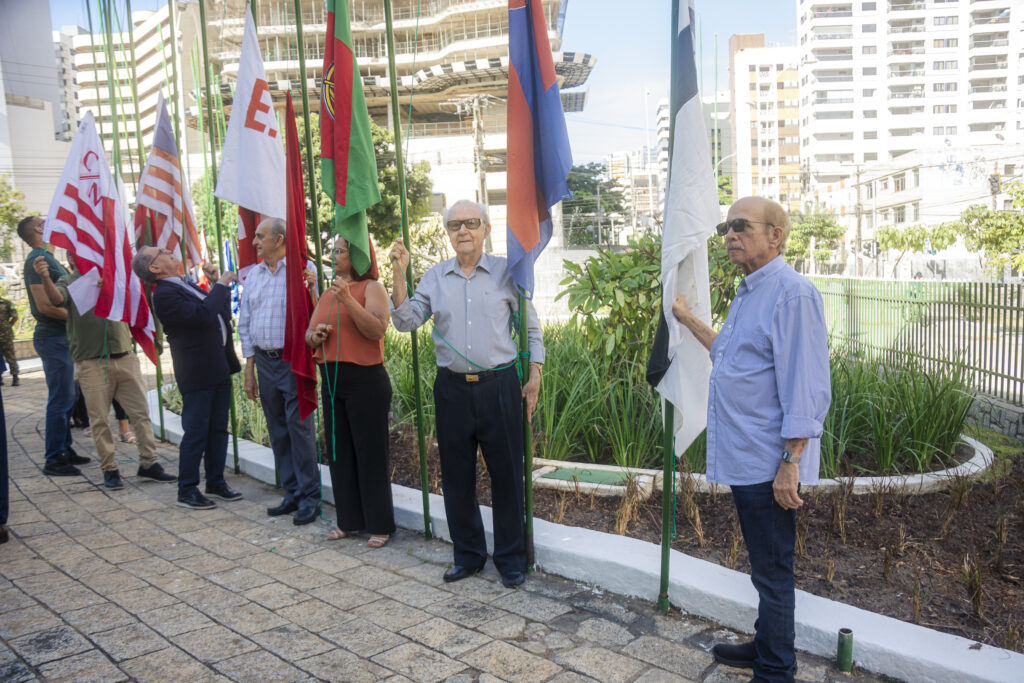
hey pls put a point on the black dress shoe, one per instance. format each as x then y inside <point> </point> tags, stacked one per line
<point>60,467</point>
<point>306,516</point>
<point>739,655</point>
<point>513,579</point>
<point>457,573</point>
<point>112,480</point>
<point>195,500</point>
<point>223,492</point>
<point>4,535</point>
<point>156,473</point>
<point>15,382</point>
<point>285,508</point>
<point>75,458</point>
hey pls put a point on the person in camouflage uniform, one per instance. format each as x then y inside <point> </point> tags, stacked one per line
<point>8,317</point>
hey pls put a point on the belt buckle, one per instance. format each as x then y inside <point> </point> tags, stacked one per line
<point>472,378</point>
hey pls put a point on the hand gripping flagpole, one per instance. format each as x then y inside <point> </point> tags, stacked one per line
<point>216,200</point>
<point>400,165</point>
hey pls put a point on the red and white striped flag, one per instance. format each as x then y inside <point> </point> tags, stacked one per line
<point>161,189</point>
<point>87,218</point>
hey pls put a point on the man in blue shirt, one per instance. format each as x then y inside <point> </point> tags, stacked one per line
<point>768,395</point>
<point>477,397</point>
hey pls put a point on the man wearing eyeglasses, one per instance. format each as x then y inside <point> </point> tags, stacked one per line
<point>768,396</point>
<point>477,396</point>
<point>197,325</point>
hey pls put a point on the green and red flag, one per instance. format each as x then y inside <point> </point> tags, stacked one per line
<point>347,162</point>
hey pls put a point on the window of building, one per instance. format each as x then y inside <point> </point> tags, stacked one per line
<point>944,87</point>
<point>947,65</point>
<point>870,71</point>
<point>947,21</point>
<point>883,184</point>
<point>868,28</point>
<point>753,86</point>
<point>917,211</point>
<point>943,108</point>
<point>899,214</point>
<point>868,92</point>
<point>899,182</point>
<point>871,156</point>
<point>1010,170</point>
<point>867,6</point>
<point>917,177</point>
<point>871,135</point>
<point>1007,205</point>
<point>945,42</point>
<point>869,50</point>
<point>752,68</point>
<point>870,114</point>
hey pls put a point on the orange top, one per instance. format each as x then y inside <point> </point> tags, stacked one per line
<point>345,343</point>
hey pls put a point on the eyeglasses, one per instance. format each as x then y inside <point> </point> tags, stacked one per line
<point>736,225</point>
<point>471,223</point>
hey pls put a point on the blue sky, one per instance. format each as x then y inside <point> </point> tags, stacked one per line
<point>630,39</point>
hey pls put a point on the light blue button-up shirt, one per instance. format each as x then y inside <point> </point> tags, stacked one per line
<point>471,312</point>
<point>770,378</point>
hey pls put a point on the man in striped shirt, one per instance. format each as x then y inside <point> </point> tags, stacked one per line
<point>261,325</point>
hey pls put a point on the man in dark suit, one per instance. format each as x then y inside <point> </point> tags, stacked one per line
<point>197,324</point>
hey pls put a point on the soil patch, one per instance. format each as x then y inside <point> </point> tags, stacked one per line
<point>952,561</point>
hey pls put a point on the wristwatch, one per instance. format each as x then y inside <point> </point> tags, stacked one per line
<point>787,456</point>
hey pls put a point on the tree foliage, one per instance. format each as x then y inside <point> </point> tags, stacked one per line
<point>725,190</point>
<point>12,210</point>
<point>914,238</point>
<point>582,212</point>
<point>822,226</point>
<point>997,235</point>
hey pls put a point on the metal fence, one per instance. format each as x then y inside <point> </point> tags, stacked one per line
<point>979,324</point>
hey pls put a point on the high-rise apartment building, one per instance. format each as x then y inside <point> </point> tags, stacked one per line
<point>882,79</point>
<point>64,53</point>
<point>451,57</point>
<point>766,124</point>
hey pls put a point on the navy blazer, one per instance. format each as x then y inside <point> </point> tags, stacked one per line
<point>194,334</point>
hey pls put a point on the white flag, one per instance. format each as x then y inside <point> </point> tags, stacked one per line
<point>252,165</point>
<point>691,212</point>
<point>87,218</point>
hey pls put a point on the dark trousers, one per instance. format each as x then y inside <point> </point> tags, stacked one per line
<point>204,419</point>
<point>55,353</point>
<point>770,533</point>
<point>356,403</point>
<point>292,439</point>
<point>5,502</point>
<point>488,415</point>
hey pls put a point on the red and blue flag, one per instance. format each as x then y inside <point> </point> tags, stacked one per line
<point>539,157</point>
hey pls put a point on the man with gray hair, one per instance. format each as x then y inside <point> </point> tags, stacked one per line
<point>197,325</point>
<point>261,326</point>
<point>767,399</point>
<point>476,394</point>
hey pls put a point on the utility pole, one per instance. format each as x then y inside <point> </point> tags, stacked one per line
<point>600,213</point>
<point>860,214</point>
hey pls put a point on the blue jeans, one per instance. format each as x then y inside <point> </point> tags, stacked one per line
<point>55,353</point>
<point>770,533</point>
<point>204,421</point>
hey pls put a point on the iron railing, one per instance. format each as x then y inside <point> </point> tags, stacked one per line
<point>979,324</point>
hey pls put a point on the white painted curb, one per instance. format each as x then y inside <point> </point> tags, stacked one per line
<point>631,567</point>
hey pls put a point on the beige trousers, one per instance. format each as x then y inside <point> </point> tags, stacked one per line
<point>102,381</point>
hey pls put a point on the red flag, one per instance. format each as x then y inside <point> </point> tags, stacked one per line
<point>247,258</point>
<point>299,308</point>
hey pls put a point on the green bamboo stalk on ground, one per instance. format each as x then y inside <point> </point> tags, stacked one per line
<point>667,489</point>
<point>216,201</point>
<point>400,167</point>
<point>524,361</point>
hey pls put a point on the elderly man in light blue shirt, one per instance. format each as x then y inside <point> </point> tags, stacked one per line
<point>769,393</point>
<point>476,394</point>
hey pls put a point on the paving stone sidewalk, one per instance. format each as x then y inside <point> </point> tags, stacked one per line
<point>125,585</point>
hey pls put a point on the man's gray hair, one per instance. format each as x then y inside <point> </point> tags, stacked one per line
<point>140,265</point>
<point>277,226</point>
<point>479,207</point>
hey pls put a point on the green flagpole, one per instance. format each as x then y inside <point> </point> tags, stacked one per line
<point>400,167</point>
<point>207,77</point>
<point>95,68</point>
<point>109,53</point>
<point>120,98</point>
<point>524,356</point>
<point>313,194</point>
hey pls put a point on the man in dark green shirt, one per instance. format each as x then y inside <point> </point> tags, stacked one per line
<point>51,343</point>
<point>107,369</point>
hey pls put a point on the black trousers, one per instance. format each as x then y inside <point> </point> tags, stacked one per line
<point>356,431</point>
<point>485,414</point>
<point>204,420</point>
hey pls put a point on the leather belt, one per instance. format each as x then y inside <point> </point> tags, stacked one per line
<point>471,377</point>
<point>272,354</point>
<point>119,355</point>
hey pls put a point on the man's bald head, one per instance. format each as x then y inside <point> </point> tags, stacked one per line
<point>769,211</point>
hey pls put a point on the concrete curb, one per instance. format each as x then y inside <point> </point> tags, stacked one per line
<point>631,567</point>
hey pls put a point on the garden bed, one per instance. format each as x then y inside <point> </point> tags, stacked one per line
<point>915,558</point>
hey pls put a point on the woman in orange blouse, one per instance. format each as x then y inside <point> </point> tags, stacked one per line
<point>347,331</point>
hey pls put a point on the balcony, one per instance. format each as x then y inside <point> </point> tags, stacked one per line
<point>987,86</point>
<point>832,36</point>
<point>983,40</point>
<point>905,132</point>
<point>905,111</point>
<point>988,63</point>
<point>836,14</point>
<point>904,51</point>
<point>988,104</point>
<point>905,6</point>
<point>990,17</point>
<point>906,93</point>
<point>834,100</point>
<point>916,26</point>
<point>906,73</point>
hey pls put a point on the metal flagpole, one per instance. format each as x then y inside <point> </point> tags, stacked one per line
<point>313,194</point>
<point>216,200</point>
<point>524,359</point>
<point>149,228</point>
<point>400,164</point>
<point>109,53</point>
<point>95,68</point>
